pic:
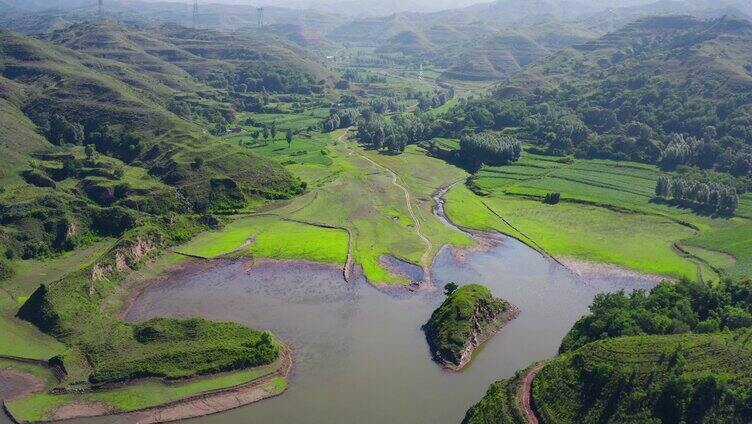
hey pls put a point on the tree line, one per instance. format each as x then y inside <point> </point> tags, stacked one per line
<point>394,133</point>
<point>489,148</point>
<point>706,196</point>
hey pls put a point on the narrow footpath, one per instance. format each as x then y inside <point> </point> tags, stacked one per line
<point>425,259</point>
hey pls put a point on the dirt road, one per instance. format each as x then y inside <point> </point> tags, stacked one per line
<point>525,393</point>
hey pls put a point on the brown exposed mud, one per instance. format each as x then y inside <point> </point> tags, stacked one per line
<point>15,384</point>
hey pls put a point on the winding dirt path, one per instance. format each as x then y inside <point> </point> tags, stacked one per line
<point>424,260</point>
<point>525,393</point>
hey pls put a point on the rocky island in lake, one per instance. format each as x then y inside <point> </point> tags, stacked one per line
<point>469,316</point>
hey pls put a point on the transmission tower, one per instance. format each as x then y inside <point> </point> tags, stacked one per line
<point>260,17</point>
<point>195,13</point>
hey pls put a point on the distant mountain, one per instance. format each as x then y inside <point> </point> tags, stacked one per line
<point>372,8</point>
<point>631,91</point>
<point>38,16</point>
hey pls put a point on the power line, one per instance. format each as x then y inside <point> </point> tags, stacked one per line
<point>195,13</point>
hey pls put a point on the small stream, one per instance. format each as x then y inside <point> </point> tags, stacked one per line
<point>360,353</point>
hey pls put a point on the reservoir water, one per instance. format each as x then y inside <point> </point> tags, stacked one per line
<point>360,353</point>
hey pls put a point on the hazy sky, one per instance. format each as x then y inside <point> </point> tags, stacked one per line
<point>375,5</point>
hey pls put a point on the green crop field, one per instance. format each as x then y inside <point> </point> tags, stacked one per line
<point>606,215</point>
<point>273,238</point>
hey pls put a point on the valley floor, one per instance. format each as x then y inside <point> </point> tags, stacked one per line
<point>363,207</point>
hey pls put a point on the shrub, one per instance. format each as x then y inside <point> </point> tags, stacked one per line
<point>6,271</point>
<point>552,198</point>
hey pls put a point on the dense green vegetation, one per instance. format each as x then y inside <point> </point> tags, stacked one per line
<point>709,198</point>
<point>469,316</point>
<point>489,149</point>
<point>678,354</point>
<point>668,309</point>
<point>668,379</point>
<point>653,91</point>
<point>500,404</point>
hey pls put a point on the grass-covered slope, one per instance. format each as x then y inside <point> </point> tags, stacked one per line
<point>467,318</point>
<point>499,405</point>
<point>143,159</point>
<point>601,200</point>
<point>669,379</point>
<point>75,310</point>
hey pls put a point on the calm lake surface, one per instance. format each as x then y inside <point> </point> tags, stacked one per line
<point>360,353</point>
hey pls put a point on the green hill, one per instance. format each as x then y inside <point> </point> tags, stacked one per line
<point>109,144</point>
<point>669,379</point>
<point>146,105</point>
<point>626,94</point>
<point>679,354</point>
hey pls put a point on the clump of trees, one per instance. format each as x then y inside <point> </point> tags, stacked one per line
<point>670,308</point>
<point>552,198</point>
<point>709,197</point>
<point>395,133</point>
<point>64,132</point>
<point>489,148</point>
<point>363,76</point>
<point>428,101</point>
<point>340,119</point>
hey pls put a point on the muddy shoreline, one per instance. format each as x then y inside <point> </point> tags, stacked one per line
<point>487,240</point>
<point>231,398</point>
<point>199,405</point>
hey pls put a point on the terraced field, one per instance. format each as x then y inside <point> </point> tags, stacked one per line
<point>606,215</point>
<point>603,381</point>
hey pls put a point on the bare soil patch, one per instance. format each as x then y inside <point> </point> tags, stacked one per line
<point>602,270</point>
<point>79,410</point>
<point>15,384</point>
